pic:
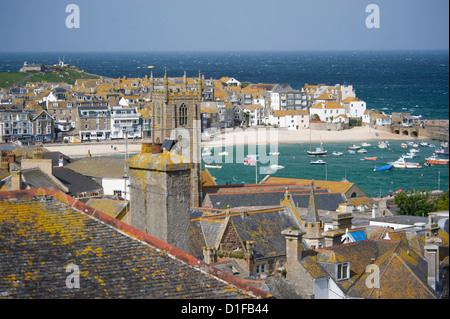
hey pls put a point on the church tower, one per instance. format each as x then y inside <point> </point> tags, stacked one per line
<point>176,116</point>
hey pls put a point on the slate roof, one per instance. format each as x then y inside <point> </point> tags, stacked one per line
<point>324,200</point>
<point>34,178</point>
<point>112,167</point>
<point>264,229</point>
<point>44,230</point>
<point>75,182</point>
<point>402,271</point>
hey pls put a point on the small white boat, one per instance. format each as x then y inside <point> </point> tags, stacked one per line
<point>337,153</point>
<point>223,153</point>
<point>318,162</point>
<point>213,166</point>
<point>276,166</point>
<point>354,147</point>
<point>404,145</point>
<point>273,153</point>
<point>382,144</point>
<point>409,155</point>
<point>361,151</point>
<point>365,144</point>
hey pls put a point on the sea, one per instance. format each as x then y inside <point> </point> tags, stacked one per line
<point>390,81</point>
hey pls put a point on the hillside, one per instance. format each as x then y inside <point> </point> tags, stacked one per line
<point>54,74</point>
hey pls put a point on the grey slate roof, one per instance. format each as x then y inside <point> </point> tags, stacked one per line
<point>324,201</point>
<point>76,183</point>
<point>44,231</point>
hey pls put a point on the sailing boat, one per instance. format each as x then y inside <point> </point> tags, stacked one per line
<point>319,150</point>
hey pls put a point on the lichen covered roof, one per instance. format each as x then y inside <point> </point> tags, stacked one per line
<point>45,230</point>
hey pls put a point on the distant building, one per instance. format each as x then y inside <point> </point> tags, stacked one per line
<point>32,67</point>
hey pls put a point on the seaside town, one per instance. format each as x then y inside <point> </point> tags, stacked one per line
<point>154,223</point>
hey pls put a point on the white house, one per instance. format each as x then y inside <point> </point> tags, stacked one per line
<point>255,114</point>
<point>230,81</point>
<point>330,112</point>
<point>289,119</point>
<point>354,107</point>
<point>125,119</point>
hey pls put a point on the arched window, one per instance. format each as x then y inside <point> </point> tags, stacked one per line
<point>183,114</point>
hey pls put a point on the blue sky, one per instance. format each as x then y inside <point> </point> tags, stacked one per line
<point>216,25</point>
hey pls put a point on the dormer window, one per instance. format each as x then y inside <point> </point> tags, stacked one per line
<point>343,271</point>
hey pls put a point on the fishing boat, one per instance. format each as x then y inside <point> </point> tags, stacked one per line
<point>370,158</point>
<point>351,152</point>
<point>401,163</point>
<point>441,151</point>
<point>276,166</point>
<point>444,144</point>
<point>337,153</point>
<point>434,159</point>
<point>404,145</point>
<point>361,151</point>
<point>423,144</point>
<point>415,144</point>
<point>318,152</point>
<point>383,168</point>
<point>318,162</point>
<point>354,147</point>
<point>365,144</point>
<point>213,166</point>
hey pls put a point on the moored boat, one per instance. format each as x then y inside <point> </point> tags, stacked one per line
<point>434,159</point>
<point>337,153</point>
<point>318,162</point>
<point>441,151</point>
<point>213,166</point>
<point>276,166</point>
<point>401,163</point>
<point>383,168</point>
<point>370,158</point>
<point>354,147</point>
<point>318,152</point>
<point>361,151</point>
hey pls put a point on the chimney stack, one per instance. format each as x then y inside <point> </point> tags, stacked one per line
<point>16,181</point>
<point>160,196</point>
<point>432,243</point>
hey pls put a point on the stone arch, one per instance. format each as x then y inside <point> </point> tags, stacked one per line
<point>405,132</point>
<point>396,131</point>
<point>414,134</point>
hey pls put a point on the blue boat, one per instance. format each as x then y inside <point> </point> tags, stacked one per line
<point>383,168</point>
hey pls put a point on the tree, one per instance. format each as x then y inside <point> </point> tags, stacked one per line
<point>414,203</point>
<point>315,117</point>
<point>442,202</point>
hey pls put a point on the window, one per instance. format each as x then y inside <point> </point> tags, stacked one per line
<point>183,114</point>
<point>260,269</point>
<point>117,192</point>
<point>343,271</point>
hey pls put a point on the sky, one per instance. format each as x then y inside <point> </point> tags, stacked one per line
<point>219,25</point>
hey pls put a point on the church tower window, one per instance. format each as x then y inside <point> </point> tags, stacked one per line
<point>183,114</point>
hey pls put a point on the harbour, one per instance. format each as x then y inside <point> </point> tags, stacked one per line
<point>352,167</point>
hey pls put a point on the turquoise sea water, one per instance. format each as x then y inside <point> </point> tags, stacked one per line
<point>297,165</point>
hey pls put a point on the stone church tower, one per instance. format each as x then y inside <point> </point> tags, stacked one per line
<point>176,116</point>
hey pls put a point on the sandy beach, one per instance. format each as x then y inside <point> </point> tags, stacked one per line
<point>268,135</point>
<point>236,137</point>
